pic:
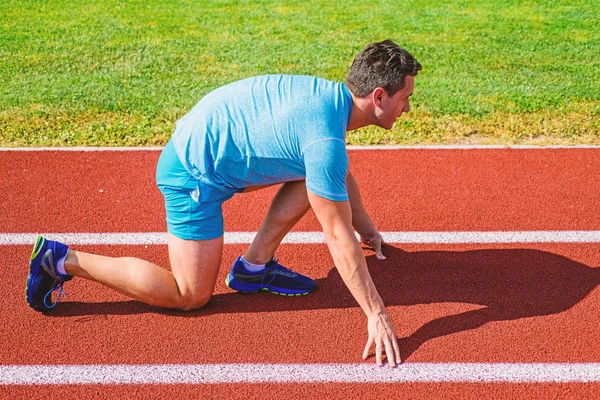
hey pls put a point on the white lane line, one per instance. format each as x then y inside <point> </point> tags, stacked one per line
<point>465,237</point>
<point>297,373</point>
<point>349,147</point>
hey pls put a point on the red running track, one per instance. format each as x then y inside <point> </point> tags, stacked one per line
<point>404,190</point>
<point>458,303</point>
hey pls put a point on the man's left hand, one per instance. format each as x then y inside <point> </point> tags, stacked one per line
<point>374,240</point>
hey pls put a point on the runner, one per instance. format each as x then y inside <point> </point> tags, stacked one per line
<point>250,134</point>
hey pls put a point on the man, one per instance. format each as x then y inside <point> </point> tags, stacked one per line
<point>242,137</point>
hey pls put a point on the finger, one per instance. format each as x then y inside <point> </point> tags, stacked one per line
<point>378,351</point>
<point>389,352</point>
<point>377,248</point>
<point>397,350</point>
<point>368,347</point>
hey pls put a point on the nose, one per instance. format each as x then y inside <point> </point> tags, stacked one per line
<point>406,107</point>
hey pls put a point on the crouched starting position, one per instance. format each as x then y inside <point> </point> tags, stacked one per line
<point>247,135</point>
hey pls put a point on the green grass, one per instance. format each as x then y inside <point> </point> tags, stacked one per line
<point>121,73</point>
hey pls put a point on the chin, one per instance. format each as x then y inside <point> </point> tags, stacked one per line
<point>386,126</point>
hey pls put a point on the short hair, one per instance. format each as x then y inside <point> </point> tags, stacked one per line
<point>381,64</point>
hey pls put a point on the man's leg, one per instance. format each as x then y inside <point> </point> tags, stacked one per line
<point>194,264</point>
<point>288,206</point>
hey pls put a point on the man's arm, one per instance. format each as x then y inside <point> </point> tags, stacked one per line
<point>336,220</point>
<point>361,220</point>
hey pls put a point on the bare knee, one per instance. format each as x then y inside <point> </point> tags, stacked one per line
<point>191,303</point>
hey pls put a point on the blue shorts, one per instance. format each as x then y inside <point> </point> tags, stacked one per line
<point>194,210</point>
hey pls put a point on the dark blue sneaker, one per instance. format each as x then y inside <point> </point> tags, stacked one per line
<point>43,277</point>
<point>274,278</point>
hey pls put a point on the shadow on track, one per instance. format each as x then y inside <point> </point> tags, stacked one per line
<point>509,284</point>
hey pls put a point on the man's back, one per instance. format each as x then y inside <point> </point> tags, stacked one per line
<point>257,131</point>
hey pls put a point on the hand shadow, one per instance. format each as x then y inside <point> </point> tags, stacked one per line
<point>510,284</point>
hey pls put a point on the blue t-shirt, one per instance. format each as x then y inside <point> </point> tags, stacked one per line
<point>269,129</point>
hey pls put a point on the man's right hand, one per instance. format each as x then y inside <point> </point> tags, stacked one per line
<point>336,219</point>
<point>382,334</point>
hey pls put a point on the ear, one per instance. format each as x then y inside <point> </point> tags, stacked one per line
<point>377,96</point>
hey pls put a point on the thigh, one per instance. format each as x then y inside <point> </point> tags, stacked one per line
<point>255,188</point>
<point>195,265</point>
<point>195,229</point>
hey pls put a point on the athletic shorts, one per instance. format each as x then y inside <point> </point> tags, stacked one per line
<point>194,210</point>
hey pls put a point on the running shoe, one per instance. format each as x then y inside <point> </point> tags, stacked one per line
<point>274,278</point>
<point>43,277</point>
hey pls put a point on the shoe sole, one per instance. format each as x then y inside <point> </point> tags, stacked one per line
<point>240,287</point>
<point>37,248</point>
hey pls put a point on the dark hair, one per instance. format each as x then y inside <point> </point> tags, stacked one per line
<point>381,64</point>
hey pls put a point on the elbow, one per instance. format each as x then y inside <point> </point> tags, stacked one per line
<point>330,236</point>
<point>340,234</point>
<point>334,234</point>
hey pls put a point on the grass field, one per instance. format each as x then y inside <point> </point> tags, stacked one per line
<point>120,73</point>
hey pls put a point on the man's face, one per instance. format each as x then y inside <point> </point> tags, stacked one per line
<point>388,109</point>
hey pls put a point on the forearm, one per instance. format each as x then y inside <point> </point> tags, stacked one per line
<point>352,266</point>
<point>336,220</point>
<point>360,219</point>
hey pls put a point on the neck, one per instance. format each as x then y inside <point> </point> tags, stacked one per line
<point>360,115</point>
